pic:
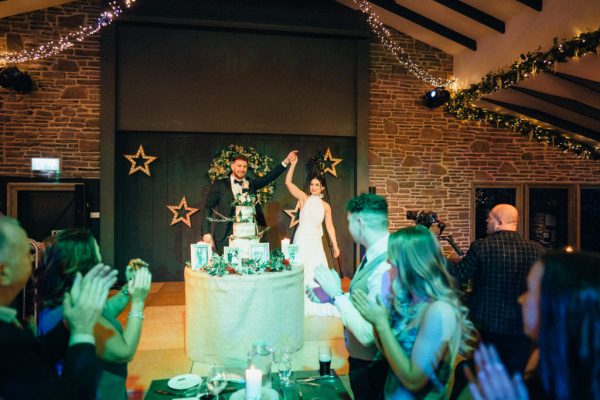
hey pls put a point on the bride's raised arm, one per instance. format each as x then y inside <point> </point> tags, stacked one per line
<point>293,189</point>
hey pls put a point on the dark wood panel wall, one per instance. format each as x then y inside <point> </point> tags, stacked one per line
<point>270,74</point>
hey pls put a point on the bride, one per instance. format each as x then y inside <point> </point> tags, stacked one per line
<point>308,237</point>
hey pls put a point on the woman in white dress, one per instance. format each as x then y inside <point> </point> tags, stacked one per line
<point>308,237</point>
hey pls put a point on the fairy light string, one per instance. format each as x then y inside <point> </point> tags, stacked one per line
<point>385,37</point>
<point>52,48</point>
<point>462,102</point>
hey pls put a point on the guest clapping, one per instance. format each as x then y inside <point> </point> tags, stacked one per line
<point>26,364</point>
<point>561,312</point>
<point>425,326</point>
<point>77,251</point>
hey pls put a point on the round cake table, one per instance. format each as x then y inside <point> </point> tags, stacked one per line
<point>225,315</point>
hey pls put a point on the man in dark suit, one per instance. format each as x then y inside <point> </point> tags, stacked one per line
<point>27,363</point>
<point>498,265</point>
<point>222,194</point>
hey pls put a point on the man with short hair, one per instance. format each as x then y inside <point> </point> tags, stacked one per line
<point>222,194</point>
<point>26,363</point>
<point>368,225</point>
<point>498,266</point>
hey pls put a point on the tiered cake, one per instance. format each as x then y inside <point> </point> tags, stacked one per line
<point>244,230</point>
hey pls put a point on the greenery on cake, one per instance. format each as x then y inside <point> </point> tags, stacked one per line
<point>218,267</point>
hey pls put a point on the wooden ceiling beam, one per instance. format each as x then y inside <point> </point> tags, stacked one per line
<point>586,83</point>
<point>475,14</point>
<point>436,27</point>
<point>560,123</point>
<point>563,102</point>
<point>535,4</point>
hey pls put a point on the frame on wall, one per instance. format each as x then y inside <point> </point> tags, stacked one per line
<point>550,214</point>
<point>579,211</point>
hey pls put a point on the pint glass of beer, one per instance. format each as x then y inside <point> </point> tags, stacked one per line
<point>324,360</point>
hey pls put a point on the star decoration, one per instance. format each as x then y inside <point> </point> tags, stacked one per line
<point>294,215</point>
<point>139,161</point>
<point>182,213</point>
<point>334,161</point>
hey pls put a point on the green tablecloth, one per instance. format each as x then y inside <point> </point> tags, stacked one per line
<point>325,389</point>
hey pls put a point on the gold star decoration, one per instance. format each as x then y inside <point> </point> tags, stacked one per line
<point>182,213</point>
<point>139,161</point>
<point>294,215</point>
<point>334,161</point>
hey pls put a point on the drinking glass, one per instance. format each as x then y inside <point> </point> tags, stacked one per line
<point>285,360</point>
<point>324,360</point>
<point>216,380</point>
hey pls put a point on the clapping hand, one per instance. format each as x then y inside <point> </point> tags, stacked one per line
<point>493,382</point>
<point>83,304</point>
<point>139,285</point>
<point>374,312</point>
<point>329,280</point>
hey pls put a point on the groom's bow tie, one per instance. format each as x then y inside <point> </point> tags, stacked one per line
<point>236,182</point>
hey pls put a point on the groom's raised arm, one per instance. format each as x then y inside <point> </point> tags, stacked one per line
<point>271,176</point>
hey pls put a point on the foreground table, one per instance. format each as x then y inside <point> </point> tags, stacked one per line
<point>327,389</point>
<point>225,315</point>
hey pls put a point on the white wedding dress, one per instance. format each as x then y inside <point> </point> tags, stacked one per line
<point>308,237</point>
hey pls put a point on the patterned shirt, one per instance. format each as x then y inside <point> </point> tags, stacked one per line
<point>498,266</point>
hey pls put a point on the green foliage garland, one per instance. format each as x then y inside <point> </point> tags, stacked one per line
<point>219,267</point>
<point>259,164</point>
<point>462,107</point>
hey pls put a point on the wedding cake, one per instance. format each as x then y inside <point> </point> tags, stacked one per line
<point>244,230</point>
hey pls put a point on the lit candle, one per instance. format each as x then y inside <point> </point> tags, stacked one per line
<point>253,383</point>
<point>284,247</point>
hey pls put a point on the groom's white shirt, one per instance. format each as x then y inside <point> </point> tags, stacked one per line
<point>352,319</point>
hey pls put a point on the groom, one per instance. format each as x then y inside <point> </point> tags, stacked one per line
<point>222,194</point>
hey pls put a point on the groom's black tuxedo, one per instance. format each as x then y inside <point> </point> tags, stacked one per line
<point>220,198</point>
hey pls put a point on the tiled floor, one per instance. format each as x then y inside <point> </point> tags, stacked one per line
<point>161,351</point>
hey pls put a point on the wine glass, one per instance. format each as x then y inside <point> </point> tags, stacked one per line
<point>285,360</point>
<point>216,380</point>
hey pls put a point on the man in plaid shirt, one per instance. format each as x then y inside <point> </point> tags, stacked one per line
<point>498,266</point>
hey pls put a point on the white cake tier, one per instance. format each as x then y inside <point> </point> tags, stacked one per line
<point>244,213</point>
<point>243,244</point>
<point>244,229</point>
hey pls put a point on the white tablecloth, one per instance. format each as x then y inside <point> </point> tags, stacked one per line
<point>225,315</point>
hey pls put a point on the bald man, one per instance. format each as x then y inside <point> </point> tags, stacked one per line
<point>26,362</point>
<point>498,266</point>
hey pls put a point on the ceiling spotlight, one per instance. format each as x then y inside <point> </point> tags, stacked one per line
<point>12,78</point>
<point>436,97</point>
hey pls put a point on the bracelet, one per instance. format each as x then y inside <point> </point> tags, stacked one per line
<point>136,314</point>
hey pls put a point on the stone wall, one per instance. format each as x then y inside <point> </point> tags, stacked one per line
<point>426,159</point>
<point>418,158</point>
<point>61,117</point>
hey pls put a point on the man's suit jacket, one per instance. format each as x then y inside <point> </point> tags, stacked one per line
<point>220,198</point>
<point>27,365</point>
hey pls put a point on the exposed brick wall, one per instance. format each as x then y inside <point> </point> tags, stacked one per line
<point>61,118</point>
<point>426,159</point>
<point>419,158</point>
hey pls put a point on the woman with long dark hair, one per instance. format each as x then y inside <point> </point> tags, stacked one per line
<point>313,212</point>
<point>561,312</point>
<point>76,250</point>
<point>426,325</point>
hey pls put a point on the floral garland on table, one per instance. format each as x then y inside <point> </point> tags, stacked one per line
<point>462,107</point>
<point>258,163</point>
<point>218,267</point>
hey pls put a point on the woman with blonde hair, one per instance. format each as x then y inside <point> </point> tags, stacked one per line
<point>425,326</point>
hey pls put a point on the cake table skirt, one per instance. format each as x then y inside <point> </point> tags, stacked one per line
<point>225,315</point>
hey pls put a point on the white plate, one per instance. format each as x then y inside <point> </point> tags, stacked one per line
<point>265,394</point>
<point>184,382</point>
